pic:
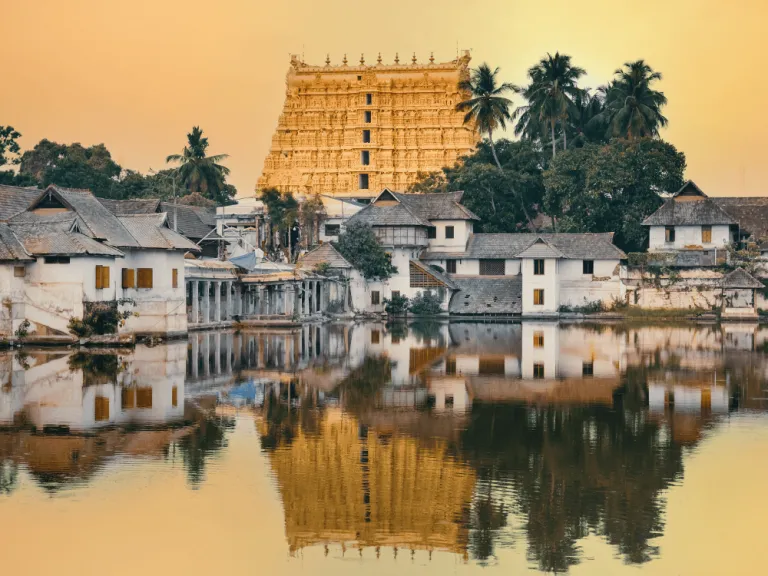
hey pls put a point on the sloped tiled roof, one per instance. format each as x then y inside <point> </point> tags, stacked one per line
<point>485,295</point>
<point>750,212</point>
<point>14,199</point>
<point>439,276</point>
<point>194,222</point>
<point>540,248</point>
<point>11,249</point>
<point>740,278</point>
<point>136,206</point>
<point>698,212</point>
<point>51,239</point>
<point>586,246</point>
<point>446,206</point>
<point>150,231</point>
<point>325,253</point>
<point>394,215</point>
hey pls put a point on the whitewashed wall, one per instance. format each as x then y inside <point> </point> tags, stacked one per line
<point>578,289</point>
<point>687,236</point>
<point>547,281</point>
<point>461,231</point>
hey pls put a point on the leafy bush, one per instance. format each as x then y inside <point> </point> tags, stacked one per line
<point>396,305</point>
<point>335,307</point>
<point>23,330</point>
<point>359,245</point>
<point>426,303</point>
<point>99,318</point>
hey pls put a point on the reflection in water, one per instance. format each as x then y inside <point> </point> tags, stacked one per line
<point>468,439</point>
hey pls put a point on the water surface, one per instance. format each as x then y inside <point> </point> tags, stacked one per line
<point>422,449</point>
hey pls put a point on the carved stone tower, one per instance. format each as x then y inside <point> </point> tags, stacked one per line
<point>354,130</point>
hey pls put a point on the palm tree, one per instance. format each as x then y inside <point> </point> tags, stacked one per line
<point>198,172</point>
<point>487,107</point>
<point>633,107</point>
<point>585,120</point>
<point>551,97</point>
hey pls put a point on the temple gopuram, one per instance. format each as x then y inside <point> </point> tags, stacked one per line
<point>352,130</point>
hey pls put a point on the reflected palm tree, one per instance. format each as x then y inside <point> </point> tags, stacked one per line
<point>207,439</point>
<point>9,476</point>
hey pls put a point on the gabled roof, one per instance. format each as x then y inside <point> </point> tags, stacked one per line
<point>587,246</point>
<point>325,253</point>
<point>740,278</point>
<point>690,189</point>
<point>194,222</point>
<point>689,207</point>
<point>394,215</point>
<point>11,249</point>
<point>53,239</point>
<point>540,248</point>
<point>151,231</point>
<point>14,199</point>
<point>429,271</point>
<point>135,206</point>
<point>397,209</point>
<point>750,212</point>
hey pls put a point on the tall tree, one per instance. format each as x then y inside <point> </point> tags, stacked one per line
<point>9,146</point>
<point>633,107</point>
<point>551,95</point>
<point>488,109</point>
<point>199,172</point>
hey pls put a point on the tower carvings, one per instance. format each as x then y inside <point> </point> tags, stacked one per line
<point>354,130</point>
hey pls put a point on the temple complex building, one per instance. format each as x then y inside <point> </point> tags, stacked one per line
<point>353,130</point>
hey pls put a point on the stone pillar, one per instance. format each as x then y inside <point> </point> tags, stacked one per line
<point>195,354</point>
<point>217,301</point>
<point>228,286</point>
<point>206,301</point>
<point>238,300</point>
<point>195,303</point>
<point>217,358</point>
<point>207,354</point>
<point>305,299</point>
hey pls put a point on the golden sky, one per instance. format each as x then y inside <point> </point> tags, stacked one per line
<point>138,74</point>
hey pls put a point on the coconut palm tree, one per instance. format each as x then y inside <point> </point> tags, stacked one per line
<point>633,107</point>
<point>198,172</point>
<point>551,96</point>
<point>585,120</point>
<point>487,107</point>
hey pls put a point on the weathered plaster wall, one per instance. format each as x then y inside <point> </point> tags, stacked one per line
<point>687,236</point>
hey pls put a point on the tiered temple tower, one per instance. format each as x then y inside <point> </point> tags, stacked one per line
<point>352,130</point>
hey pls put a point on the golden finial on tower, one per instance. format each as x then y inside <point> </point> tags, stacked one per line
<point>344,61</point>
<point>362,60</point>
<point>397,58</point>
<point>327,59</point>
<point>431,57</point>
<point>413,60</point>
<point>378,60</point>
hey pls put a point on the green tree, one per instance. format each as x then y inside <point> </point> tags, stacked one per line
<point>613,187</point>
<point>9,146</point>
<point>283,210</point>
<point>552,95</point>
<point>202,173</point>
<point>633,107</point>
<point>359,245</point>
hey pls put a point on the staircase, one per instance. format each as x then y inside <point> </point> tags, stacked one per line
<point>53,305</point>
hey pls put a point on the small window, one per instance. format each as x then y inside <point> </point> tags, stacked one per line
<point>538,267</point>
<point>492,267</point>
<point>175,278</point>
<point>129,278</point>
<point>145,277</point>
<point>128,398</point>
<point>359,77</point>
<point>368,99</point>
<point>538,370</point>
<point>669,234</point>
<point>449,232</point>
<point>395,294</point>
<point>363,181</point>
<point>450,266</point>
<point>368,116</point>
<point>102,277</point>
<point>366,136</point>
<point>706,234</point>
<point>587,369</point>
<point>375,336</point>
<point>449,400</point>
<point>144,397</point>
<point>588,266</point>
<point>19,271</point>
<point>365,157</point>
<point>332,229</point>
<point>175,396</point>
<point>538,339</point>
<point>431,232</point>
<point>450,365</point>
<point>375,297</point>
<point>56,259</point>
<point>538,297</point>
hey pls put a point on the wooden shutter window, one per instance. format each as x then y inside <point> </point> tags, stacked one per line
<point>144,397</point>
<point>174,396</point>
<point>145,277</point>
<point>101,408</point>
<point>175,277</point>
<point>102,277</point>
<point>129,278</point>
<point>98,277</point>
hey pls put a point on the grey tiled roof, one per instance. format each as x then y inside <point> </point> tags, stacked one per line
<point>11,249</point>
<point>586,246</point>
<point>150,231</point>
<point>701,211</point>
<point>324,253</point>
<point>52,239</point>
<point>444,206</point>
<point>750,212</point>
<point>444,278</point>
<point>486,295</point>
<point>395,215</point>
<point>740,278</point>
<point>137,206</point>
<point>14,200</point>
<point>194,222</point>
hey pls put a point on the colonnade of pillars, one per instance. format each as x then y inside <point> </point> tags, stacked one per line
<point>215,301</point>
